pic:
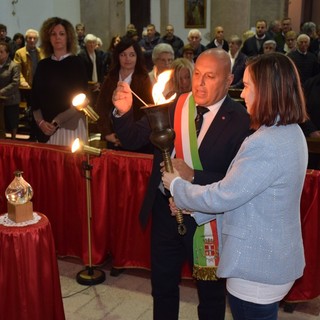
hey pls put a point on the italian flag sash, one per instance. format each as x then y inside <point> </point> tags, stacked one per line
<point>205,240</point>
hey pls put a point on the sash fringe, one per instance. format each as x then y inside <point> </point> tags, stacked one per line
<point>205,273</point>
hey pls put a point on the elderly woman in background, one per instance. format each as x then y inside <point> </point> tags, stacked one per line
<point>259,233</point>
<point>128,65</point>
<point>58,78</point>
<point>94,60</point>
<point>95,63</point>
<point>9,92</point>
<point>162,57</point>
<point>269,46</point>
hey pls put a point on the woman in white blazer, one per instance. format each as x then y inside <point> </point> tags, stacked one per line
<point>259,232</point>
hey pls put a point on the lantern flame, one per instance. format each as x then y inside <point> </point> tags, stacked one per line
<point>159,87</point>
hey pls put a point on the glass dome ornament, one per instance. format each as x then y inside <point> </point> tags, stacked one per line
<point>19,190</point>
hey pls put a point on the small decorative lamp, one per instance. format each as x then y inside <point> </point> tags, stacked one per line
<point>19,193</point>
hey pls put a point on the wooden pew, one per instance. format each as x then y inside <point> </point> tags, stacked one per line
<point>235,93</point>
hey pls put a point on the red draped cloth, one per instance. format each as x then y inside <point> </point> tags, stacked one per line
<point>308,286</point>
<point>118,184</point>
<point>125,181</point>
<point>29,278</point>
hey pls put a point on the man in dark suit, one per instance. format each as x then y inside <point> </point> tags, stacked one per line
<point>218,40</point>
<point>238,61</point>
<point>305,61</point>
<point>225,125</point>
<point>254,45</point>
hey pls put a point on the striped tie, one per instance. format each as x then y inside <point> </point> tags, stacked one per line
<point>199,118</point>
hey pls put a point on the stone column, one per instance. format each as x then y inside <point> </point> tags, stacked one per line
<point>104,18</point>
<point>164,16</point>
<point>233,16</point>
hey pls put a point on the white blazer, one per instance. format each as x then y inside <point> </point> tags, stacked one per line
<point>260,231</point>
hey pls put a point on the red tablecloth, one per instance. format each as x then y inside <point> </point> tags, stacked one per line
<point>29,277</point>
<point>119,181</point>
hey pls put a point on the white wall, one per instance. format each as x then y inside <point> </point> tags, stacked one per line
<point>31,13</point>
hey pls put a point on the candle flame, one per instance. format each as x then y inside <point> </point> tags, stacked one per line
<point>159,86</point>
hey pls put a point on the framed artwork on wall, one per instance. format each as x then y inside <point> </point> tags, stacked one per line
<point>195,13</point>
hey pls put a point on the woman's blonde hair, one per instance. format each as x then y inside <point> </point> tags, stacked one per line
<point>176,66</point>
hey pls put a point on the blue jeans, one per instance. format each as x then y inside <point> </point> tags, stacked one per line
<point>244,310</point>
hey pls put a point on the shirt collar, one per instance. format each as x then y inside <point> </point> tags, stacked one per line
<point>53,57</point>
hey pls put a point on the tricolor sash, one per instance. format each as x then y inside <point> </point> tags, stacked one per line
<point>205,240</point>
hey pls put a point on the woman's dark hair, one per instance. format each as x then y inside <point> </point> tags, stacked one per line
<point>19,36</point>
<point>45,32</point>
<point>111,45</point>
<point>140,67</point>
<point>279,98</point>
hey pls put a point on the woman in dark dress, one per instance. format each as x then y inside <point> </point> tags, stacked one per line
<point>58,78</point>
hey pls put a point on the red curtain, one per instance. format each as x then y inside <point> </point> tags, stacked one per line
<point>118,184</point>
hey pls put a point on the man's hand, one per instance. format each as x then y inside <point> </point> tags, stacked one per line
<point>112,137</point>
<point>122,98</point>
<point>184,170</point>
<point>315,134</point>
<point>175,210</point>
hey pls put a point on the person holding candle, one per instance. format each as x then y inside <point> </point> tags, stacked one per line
<point>257,204</point>
<point>57,80</point>
<point>128,66</point>
<point>202,160</point>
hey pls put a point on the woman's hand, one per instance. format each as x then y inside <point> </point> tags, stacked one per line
<point>122,98</point>
<point>167,177</point>
<point>47,128</point>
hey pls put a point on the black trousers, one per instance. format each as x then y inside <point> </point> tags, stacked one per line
<point>169,251</point>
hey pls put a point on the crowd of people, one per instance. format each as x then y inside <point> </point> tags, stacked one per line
<point>219,166</point>
<point>158,53</point>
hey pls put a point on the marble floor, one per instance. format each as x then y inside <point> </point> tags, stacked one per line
<point>127,297</point>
